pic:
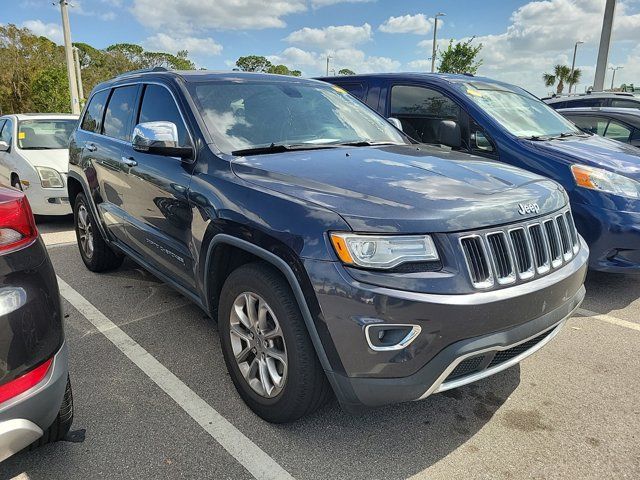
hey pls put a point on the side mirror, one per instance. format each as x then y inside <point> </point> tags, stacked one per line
<point>159,138</point>
<point>395,122</point>
<point>482,142</point>
<point>4,146</point>
<point>449,134</point>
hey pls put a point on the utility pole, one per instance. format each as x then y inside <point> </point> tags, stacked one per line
<point>435,32</point>
<point>573,64</point>
<point>76,57</point>
<point>328,58</point>
<point>605,41</point>
<point>68,50</point>
<point>614,74</point>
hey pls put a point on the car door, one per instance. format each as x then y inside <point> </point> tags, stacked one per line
<point>157,200</point>
<point>107,134</point>
<point>420,109</point>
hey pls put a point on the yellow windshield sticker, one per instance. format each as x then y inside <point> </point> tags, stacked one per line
<point>22,135</point>
<point>339,90</point>
<point>474,92</point>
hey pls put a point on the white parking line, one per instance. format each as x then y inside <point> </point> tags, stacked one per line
<point>59,238</point>
<point>247,453</point>
<point>609,319</point>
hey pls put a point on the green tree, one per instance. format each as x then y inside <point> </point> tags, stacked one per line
<point>346,71</point>
<point>561,75</point>
<point>50,91</point>
<point>253,63</point>
<point>460,58</point>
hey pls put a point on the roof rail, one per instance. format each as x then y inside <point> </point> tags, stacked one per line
<point>144,70</point>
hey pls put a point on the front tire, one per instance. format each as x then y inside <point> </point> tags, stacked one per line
<point>95,253</point>
<point>266,346</point>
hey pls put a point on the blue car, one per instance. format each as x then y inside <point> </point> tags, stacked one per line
<point>505,123</point>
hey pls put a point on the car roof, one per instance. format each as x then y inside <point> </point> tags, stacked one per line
<point>201,76</point>
<point>564,98</point>
<point>43,116</point>
<point>434,77</point>
<point>615,110</point>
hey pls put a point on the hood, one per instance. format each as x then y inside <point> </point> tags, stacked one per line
<point>58,158</point>
<point>402,188</point>
<point>594,151</point>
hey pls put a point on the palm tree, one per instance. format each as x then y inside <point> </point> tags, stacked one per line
<point>562,75</point>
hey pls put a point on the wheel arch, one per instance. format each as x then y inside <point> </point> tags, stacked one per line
<point>75,185</point>
<point>225,240</point>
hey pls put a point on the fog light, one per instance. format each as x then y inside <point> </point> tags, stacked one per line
<point>384,337</point>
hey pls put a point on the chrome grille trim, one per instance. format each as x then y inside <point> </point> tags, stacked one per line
<point>520,252</point>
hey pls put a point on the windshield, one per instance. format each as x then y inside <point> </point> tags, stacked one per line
<point>522,114</point>
<point>45,134</point>
<point>247,114</point>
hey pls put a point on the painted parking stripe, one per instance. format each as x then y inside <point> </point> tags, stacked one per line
<point>59,238</point>
<point>247,453</point>
<point>609,319</point>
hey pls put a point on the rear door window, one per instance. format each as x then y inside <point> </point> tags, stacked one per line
<point>119,114</point>
<point>420,111</point>
<point>158,105</point>
<point>618,131</point>
<point>625,103</point>
<point>92,121</point>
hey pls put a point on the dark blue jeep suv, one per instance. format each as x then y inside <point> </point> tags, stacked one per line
<point>503,122</point>
<point>336,254</point>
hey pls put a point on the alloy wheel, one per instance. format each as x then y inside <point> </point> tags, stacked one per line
<point>85,231</point>
<point>258,344</point>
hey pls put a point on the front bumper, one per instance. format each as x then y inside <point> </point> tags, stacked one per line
<point>454,328</point>
<point>24,418</point>
<point>613,237</point>
<point>48,201</point>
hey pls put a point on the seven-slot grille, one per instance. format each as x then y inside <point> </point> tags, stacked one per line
<point>520,251</point>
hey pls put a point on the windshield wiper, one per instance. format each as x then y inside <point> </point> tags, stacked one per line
<point>280,148</point>
<point>538,138</point>
<point>365,143</point>
<point>40,148</point>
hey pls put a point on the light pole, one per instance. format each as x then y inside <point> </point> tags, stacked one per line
<point>614,74</point>
<point>573,64</point>
<point>328,58</point>
<point>603,50</point>
<point>68,50</point>
<point>435,32</point>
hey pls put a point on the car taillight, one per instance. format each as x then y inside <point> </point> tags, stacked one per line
<point>25,382</point>
<point>17,225</point>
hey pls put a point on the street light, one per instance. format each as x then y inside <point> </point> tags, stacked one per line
<point>614,74</point>
<point>435,31</point>
<point>329,57</point>
<point>573,64</point>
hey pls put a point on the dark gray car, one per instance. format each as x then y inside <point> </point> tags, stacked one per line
<point>336,254</point>
<point>621,124</point>
<point>36,405</point>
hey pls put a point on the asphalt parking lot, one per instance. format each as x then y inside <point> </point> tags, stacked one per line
<point>153,400</point>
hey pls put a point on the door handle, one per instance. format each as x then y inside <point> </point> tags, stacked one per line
<point>129,161</point>
<point>91,147</point>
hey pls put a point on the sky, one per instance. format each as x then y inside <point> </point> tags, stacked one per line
<point>521,40</point>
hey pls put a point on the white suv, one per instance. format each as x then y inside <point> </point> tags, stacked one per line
<point>34,157</point>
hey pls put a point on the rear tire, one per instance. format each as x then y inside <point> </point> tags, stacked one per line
<point>60,427</point>
<point>95,253</point>
<point>304,387</point>
<point>15,182</point>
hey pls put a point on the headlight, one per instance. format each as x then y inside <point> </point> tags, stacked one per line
<point>50,178</point>
<point>379,251</point>
<point>605,181</point>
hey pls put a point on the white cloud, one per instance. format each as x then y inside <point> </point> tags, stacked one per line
<point>534,42</point>
<point>314,63</point>
<point>167,43</point>
<point>217,14</point>
<point>418,24</point>
<point>52,31</point>
<point>344,36</point>
<point>325,3</point>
